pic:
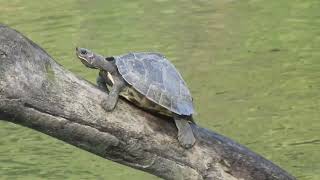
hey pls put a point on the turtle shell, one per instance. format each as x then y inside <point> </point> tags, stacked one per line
<point>152,75</point>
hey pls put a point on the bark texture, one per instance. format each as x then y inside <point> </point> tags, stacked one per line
<point>37,92</point>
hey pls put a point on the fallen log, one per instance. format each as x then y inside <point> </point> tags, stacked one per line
<point>37,92</point>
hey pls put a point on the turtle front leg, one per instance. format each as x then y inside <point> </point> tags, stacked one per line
<point>113,96</point>
<point>101,82</point>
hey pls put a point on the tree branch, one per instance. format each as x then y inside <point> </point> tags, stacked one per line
<point>38,93</point>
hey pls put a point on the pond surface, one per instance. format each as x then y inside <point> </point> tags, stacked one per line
<point>252,67</point>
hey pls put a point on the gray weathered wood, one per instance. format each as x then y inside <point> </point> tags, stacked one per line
<point>38,93</point>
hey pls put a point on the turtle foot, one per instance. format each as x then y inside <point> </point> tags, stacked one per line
<point>186,139</point>
<point>107,105</point>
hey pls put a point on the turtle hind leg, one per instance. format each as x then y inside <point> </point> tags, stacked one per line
<point>185,135</point>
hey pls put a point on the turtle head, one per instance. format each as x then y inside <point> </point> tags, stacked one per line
<point>88,58</point>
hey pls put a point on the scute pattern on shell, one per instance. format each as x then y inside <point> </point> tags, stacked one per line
<point>154,76</point>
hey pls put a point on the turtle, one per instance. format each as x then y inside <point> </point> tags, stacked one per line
<point>148,80</point>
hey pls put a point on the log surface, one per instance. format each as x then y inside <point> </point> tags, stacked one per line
<point>37,92</point>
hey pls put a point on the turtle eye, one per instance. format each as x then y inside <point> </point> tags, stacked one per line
<point>83,52</point>
<point>109,58</point>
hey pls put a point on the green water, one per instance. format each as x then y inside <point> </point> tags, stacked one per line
<point>252,67</point>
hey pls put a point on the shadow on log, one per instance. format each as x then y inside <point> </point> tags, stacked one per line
<point>38,93</point>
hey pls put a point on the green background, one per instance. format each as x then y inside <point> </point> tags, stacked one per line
<point>251,65</point>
